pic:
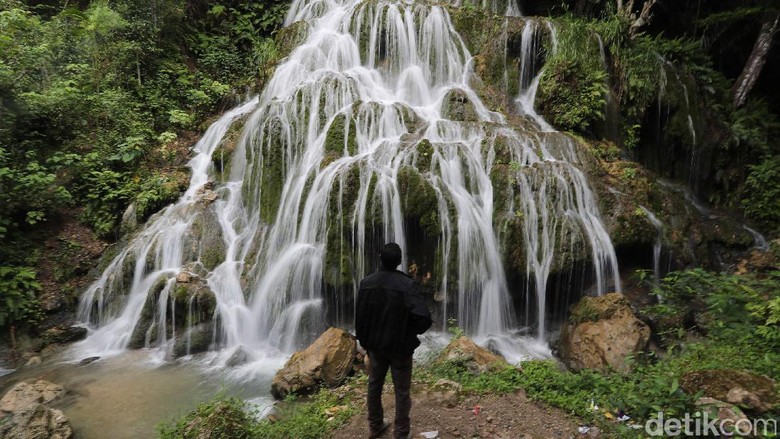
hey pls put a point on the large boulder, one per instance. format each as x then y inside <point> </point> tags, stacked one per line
<point>463,351</point>
<point>24,415</point>
<point>744,389</point>
<point>25,396</point>
<point>326,362</point>
<point>601,332</point>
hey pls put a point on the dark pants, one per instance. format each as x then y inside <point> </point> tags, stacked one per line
<point>401,371</point>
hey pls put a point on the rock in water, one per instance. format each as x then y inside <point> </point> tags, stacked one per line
<point>326,362</point>
<point>28,417</point>
<point>601,332</point>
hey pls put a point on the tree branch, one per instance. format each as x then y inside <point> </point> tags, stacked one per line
<point>755,63</point>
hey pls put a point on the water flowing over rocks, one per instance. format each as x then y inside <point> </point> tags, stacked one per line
<point>24,413</point>
<point>601,333</point>
<point>326,362</point>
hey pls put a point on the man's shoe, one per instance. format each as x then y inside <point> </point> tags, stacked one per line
<point>376,433</point>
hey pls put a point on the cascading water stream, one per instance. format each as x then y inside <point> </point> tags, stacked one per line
<point>374,107</point>
<point>657,245</point>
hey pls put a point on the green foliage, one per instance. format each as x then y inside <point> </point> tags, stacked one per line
<point>105,83</point>
<point>19,302</point>
<point>220,418</point>
<point>308,420</point>
<point>225,417</point>
<point>572,88</point>
<point>762,195</point>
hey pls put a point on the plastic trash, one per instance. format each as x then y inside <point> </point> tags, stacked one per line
<point>583,429</point>
<point>430,434</point>
<point>476,410</point>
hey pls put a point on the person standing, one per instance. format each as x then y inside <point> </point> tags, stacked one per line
<point>389,315</point>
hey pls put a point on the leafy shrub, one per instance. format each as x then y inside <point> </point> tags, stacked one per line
<point>221,418</point>
<point>762,193</point>
<point>19,302</point>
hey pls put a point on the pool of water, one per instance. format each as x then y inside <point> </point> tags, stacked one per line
<point>128,395</point>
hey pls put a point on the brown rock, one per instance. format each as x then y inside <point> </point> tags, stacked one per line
<point>750,400</point>
<point>327,362</point>
<point>184,277</point>
<point>751,391</point>
<point>720,410</point>
<point>601,332</point>
<point>38,422</point>
<point>25,396</point>
<point>476,358</point>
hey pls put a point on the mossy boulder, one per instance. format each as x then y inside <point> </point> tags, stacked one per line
<point>419,201</point>
<point>464,352</point>
<point>457,106</point>
<point>748,390</point>
<point>145,326</point>
<point>194,340</point>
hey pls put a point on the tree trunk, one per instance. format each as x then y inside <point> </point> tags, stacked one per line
<point>12,331</point>
<point>755,63</point>
<point>643,19</point>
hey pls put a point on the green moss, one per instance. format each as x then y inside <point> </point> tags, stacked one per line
<point>424,155</point>
<point>290,37</point>
<point>458,107</point>
<point>341,136</point>
<point>418,200</point>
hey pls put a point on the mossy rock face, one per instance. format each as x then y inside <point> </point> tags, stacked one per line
<point>424,154</point>
<point>290,37</point>
<point>419,200</point>
<point>223,154</point>
<point>144,324</point>
<point>211,248</point>
<point>458,107</point>
<point>341,136</point>
<point>197,293</point>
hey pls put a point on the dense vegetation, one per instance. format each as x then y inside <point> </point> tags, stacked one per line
<point>98,101</point>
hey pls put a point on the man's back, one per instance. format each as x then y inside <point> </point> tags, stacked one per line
<point>390,313</point>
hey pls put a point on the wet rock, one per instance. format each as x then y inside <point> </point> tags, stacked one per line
<point>751,391</point>
<point>325,362</point>
<point>601,332</point>
<point>239,357</point>
<point>88,360</point>
<point>64,334</point>
<point>25,396</point>
<point>477,359</point>
<point>197,339</point>
<point>184,277</point>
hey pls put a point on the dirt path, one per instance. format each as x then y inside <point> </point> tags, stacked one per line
<point>511,416</point>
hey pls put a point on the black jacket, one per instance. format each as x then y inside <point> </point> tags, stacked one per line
<point>390,313</point>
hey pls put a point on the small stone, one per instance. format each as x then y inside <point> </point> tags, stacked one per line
<point>88,360</point>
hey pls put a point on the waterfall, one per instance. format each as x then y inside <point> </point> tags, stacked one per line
<point>657,245</point>
<point>366,129</point>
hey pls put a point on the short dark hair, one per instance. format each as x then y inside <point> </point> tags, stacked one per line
<point>390,255</point>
